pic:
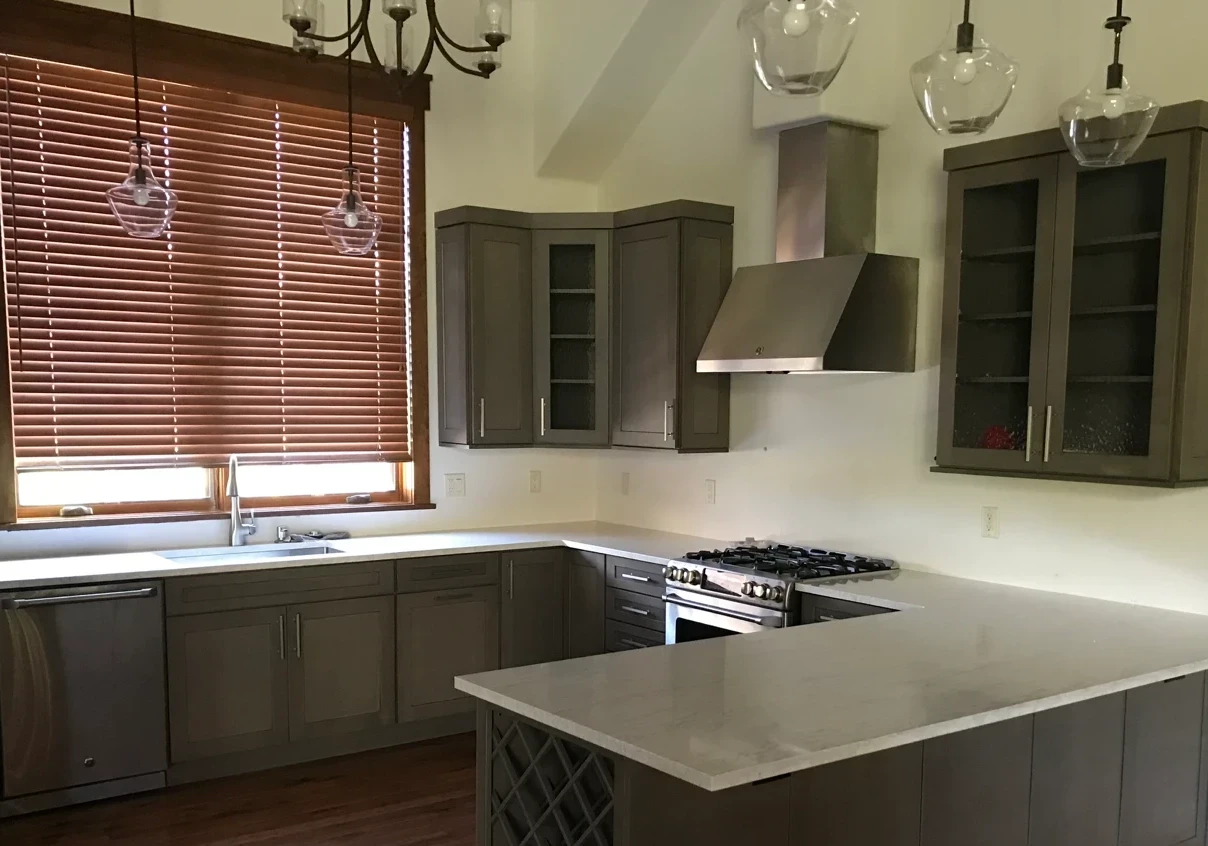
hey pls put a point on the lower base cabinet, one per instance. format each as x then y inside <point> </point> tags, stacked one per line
<point>533,607</point>
<point>443,634</point>
<point>585,603</point>
<point>239,681</point>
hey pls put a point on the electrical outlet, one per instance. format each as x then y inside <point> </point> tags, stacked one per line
<point>534,481</point>
<point>710,491</point>
<point>455,484</point>
<point>989,522</point>
<point>625,484</point>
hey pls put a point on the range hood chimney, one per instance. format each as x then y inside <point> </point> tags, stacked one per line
<point>829,304</point>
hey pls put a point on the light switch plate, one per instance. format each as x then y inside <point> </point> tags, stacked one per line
<point>534,481</point>
<point>455,484</point>
<point>710,491</point>
<point>625,484</point>
<point>989,521</point>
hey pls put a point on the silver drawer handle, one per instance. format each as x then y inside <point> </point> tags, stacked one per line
<point>632,644</point>
<point>298,635</point>
<point>543,417</point>
<point>634,578</point>
<point>640,611</point>
<point>1048,432</point>
<point>42,601</point>
<point>666,426</point>
<point>1027,450</point>
<point>826,618</point>
<point>281,636</point>
<point>482,417</point>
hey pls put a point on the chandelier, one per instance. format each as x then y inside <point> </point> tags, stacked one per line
<point>493,27</point>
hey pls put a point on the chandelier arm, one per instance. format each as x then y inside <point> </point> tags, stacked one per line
<point>361,22</point>
<point>371,52</point>
<point>448,56</point>
<point>355,43</point>
<point>407,80</point>
<point>435,23</point>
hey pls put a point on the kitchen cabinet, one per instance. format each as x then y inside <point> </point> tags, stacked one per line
<point>670,277</point>
<point>341,678</point>
<point>228,682</point>
<point>1071,305</point>
<point>532,630</point>
<point>571,288</point>
<point>825,609</point>
<point>441,635</point>
<point>582,329</point>
<point>830,804</point>
<point>621,637</point>
<point>585,599</point>
<point>485,351</point>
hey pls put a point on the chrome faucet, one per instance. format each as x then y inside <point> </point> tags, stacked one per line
<point>239,529</point>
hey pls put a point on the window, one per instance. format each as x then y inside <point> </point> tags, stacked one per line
<point>139,367</point>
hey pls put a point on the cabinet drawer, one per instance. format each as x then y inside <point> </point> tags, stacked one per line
<point>418,575</point>
<point>820,609</point>
<point>637,609</point>
<point>262,588</point>
<point>626,574</point>
<point>620,637</point>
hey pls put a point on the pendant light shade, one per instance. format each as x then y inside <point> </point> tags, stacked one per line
<point>352,226</point>
<point>799,46</point>
<point>964,86</point>
<point>142,206</point>
<point>1105,125</point>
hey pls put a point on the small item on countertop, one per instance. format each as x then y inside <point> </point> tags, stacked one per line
<point>997,437</point>
<point>75,511</point>
<point>359,499</point>
<point>335,536</point>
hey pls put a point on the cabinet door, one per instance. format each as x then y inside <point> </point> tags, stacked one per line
<point>645,334</point>
<point>341,676</point>
<point>585,603</point>
<point>453,338</point>
<point>441,635</point>
<point>227,682</point>
<point>534,585</point>
<point>570,336</point>
<point>998,277</point>
<point>976,786</point>
<point>702,407</point>
<point>1117,298</point>
<point>1162,801</point>
<point>501,336</point>
<point>830,804</point>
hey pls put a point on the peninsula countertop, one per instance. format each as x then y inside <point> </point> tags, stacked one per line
<point>959,654</point>
<point>626,541</point>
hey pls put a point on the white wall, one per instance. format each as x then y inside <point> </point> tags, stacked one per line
<point>480,151</point>
<point>843,460</point>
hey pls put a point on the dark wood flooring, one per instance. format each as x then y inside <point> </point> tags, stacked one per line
<point>419,795</point>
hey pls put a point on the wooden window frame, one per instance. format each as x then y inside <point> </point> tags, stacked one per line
<point>99,39</point>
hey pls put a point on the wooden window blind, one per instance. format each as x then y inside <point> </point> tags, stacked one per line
<point>241,331</point>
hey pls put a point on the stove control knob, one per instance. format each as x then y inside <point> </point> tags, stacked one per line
<point>693,577</point>
<point>748,589</point>
<point>761,591</point>
<point>673,574</point>
<point>777,594</point>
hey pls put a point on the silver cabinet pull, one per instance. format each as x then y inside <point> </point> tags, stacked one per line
<point>281,636</point>
<point>482,417</point>
<point>666,426</point>
<point>543,417</point>
<point>511,579</point>
<point>72,599</point>
<point>1027,450</point>
<point>1048,432</point>
<point>634,578</point>
<point>632,644</point>
<point>298,635</point>
<point>642,612</point>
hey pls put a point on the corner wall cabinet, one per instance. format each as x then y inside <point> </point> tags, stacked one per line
<point>581,329</point>
<point>1073,302</point>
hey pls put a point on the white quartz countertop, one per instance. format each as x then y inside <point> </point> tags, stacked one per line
<point>641,544</point>
<point>960,654</point>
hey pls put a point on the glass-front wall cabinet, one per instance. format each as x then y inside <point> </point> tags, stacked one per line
<point>570,323</point>
<point>1062,315</point>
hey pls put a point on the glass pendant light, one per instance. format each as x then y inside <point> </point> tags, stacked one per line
<point>398,41</point>
<point>799,45</point>
<point>1103,127</point>
<point>142,206</point>
<point>352,226</point>
<point>495,22</point>
<point>962,89</point>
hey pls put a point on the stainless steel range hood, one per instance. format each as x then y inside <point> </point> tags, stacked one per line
<point>829,304</point>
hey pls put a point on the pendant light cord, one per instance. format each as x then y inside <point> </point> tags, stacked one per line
<point>350,164</point>
<point>968,3</point>
<point>138,121</point>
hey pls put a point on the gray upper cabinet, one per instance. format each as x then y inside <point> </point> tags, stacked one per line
<point>342,674</point>
<point>1072,302</point>
<point>670,279</point>
<point>608,310</point>
<point>571,285</point>
<point>484,310</point>
<point>534,588</point>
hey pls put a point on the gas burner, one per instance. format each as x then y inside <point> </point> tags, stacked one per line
<point>791,562</point>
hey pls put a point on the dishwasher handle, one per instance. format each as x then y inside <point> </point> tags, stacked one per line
<point>17,603</point>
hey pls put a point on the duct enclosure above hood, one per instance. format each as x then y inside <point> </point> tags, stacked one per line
<point>829,304</point>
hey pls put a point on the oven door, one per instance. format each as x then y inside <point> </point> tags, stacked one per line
<point>691,616</point>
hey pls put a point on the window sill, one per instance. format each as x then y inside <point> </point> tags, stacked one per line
<point>193,516</point>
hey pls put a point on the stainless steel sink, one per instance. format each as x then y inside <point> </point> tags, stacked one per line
<point>247,555</point>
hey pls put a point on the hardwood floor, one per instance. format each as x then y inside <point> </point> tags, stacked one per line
<point>420,795</point>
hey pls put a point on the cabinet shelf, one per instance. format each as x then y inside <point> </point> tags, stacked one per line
<point>1105,310</point>
<point>584,292</point>
<point>1110,380</point>
<point>993,380</point>
<point>994,316</point>
<point>1117,242</point>
<point>1000,254</point>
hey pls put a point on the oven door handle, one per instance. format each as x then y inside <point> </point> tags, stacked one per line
<point>750,618</point>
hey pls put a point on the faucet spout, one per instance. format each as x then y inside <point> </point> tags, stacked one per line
<point>239,529</point>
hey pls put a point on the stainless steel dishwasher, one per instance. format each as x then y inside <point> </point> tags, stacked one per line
<point>82,691</point>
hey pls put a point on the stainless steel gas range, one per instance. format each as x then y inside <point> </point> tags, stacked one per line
<point>748,588</point>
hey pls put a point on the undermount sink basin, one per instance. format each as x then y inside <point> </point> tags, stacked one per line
<point>247,555</point>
